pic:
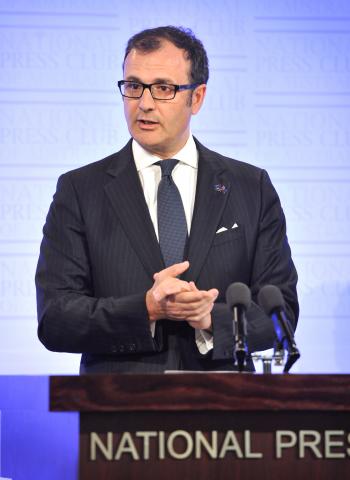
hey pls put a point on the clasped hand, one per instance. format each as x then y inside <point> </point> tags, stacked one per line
<point>176,299</point>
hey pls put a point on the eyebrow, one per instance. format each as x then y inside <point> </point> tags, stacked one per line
<point>132,78</point>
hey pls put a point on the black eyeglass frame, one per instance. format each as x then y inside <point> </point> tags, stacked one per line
<point>177,88</point>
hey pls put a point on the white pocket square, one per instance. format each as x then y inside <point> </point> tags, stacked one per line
<point>224,229</point>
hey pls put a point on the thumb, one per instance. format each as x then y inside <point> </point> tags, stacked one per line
<point>176,269</point>
<point>214,292</point>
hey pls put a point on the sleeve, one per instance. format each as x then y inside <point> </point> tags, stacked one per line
<point>70,317</point>
<point>271,264</point>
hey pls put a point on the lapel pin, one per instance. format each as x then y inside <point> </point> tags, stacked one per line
<point>220,188</point>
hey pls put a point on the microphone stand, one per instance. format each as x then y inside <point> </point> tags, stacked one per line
<point>241,349</point>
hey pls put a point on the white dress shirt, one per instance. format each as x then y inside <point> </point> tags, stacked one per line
<point>185,178</point>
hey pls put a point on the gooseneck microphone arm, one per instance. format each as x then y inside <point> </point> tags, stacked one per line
<point>271,300</point>
<point>285,336</point>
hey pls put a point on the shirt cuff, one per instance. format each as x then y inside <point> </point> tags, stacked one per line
<point>204,341</point>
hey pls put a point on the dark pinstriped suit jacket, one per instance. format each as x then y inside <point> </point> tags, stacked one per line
<point>99,253</point>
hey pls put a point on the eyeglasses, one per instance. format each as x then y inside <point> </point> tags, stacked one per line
<point>159,91</point>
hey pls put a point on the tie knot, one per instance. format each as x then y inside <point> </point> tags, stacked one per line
<point>167,166</point>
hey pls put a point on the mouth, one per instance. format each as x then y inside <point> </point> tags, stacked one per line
<point>147,125</point>
<point>146,122</point>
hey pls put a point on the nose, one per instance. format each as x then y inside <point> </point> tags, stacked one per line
<point>146,102</point>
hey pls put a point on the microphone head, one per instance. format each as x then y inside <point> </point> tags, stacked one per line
<point>270,298</point>
<point>238,294</point>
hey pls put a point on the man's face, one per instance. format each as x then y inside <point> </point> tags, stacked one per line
<point>170,119</point>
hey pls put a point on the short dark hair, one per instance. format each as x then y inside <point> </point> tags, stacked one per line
<point>150,40</point>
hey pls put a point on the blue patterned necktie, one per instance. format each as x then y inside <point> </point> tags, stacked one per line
<point>172,226</point>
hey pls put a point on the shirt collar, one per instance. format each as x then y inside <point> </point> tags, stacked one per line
<point>188,155</point>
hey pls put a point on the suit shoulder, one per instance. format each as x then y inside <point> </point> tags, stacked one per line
<point>98,168</point>
<point>244,168</point>
<point>236,167</point>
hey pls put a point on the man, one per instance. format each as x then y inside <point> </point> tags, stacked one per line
<point>111,280</point>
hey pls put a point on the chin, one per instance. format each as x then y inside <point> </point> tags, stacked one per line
<point>147,142</point>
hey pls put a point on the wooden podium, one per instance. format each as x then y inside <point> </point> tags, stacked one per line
<point>216,426</point>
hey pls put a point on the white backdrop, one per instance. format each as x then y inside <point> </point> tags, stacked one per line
<point>287,63</point>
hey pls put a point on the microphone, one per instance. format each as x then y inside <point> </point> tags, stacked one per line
<point>238,298</point>
<point>271,300</point>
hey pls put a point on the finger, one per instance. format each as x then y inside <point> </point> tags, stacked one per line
<point>195,297</point>
<point>169,287</point>
<point>187,311</point>
<point>200,312</point>
<point>214,292</point>
<point>198,319</point>
<point>198,295</point>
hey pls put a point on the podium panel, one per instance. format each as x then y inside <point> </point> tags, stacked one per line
<point>209,425</point>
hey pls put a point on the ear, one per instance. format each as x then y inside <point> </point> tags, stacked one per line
<point>198,97</point>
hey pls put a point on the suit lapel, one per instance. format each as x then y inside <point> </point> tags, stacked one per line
<point>126,196</point>
<point>125,193</point>
<point>213,189</point>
